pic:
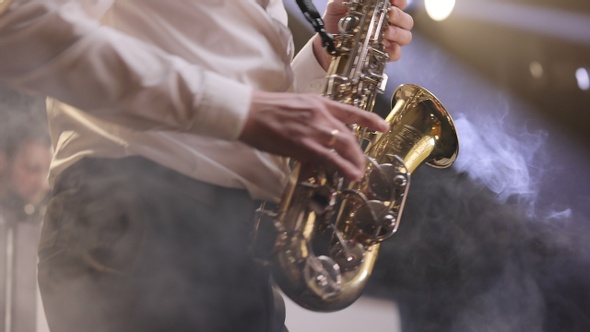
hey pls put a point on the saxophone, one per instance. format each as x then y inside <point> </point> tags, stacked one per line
<point>322,240</point>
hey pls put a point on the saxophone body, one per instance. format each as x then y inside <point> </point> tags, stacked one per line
<point>323,239</point>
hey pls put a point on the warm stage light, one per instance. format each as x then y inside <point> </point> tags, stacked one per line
<point>439,10</point>
<point>583,78</point>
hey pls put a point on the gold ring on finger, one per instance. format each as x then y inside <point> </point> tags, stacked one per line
<point>333,138</point>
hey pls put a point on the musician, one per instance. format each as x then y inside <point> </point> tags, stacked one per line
<point>170,121</point>
<point>25,156</point>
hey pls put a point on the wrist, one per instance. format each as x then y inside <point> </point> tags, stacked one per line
<point>320,52</point>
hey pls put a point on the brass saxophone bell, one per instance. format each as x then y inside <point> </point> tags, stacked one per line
<point>424,130</point>
<point>421,131</point>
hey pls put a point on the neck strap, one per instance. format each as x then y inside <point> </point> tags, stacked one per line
<point>311,14</point>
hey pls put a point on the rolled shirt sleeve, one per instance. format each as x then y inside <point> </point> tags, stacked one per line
<point>310,77</point>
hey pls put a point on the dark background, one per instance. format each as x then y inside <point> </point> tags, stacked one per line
<point>498,242</point>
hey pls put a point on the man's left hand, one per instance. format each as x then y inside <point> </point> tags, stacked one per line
<point>398,32</point>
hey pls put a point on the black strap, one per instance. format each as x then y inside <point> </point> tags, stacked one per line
<point>311,14</point>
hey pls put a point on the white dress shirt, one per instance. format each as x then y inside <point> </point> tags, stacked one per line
<point>168,80</point>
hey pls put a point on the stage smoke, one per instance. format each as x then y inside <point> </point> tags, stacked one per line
<point>511,165</point>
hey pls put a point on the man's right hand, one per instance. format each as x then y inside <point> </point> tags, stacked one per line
<point>309,128</point>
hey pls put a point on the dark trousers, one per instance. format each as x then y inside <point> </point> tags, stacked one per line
<point>128,245</point>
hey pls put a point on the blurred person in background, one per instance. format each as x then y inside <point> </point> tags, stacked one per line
<point>26,160</point>
<point>25,156</point>
<point>24,142</point>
